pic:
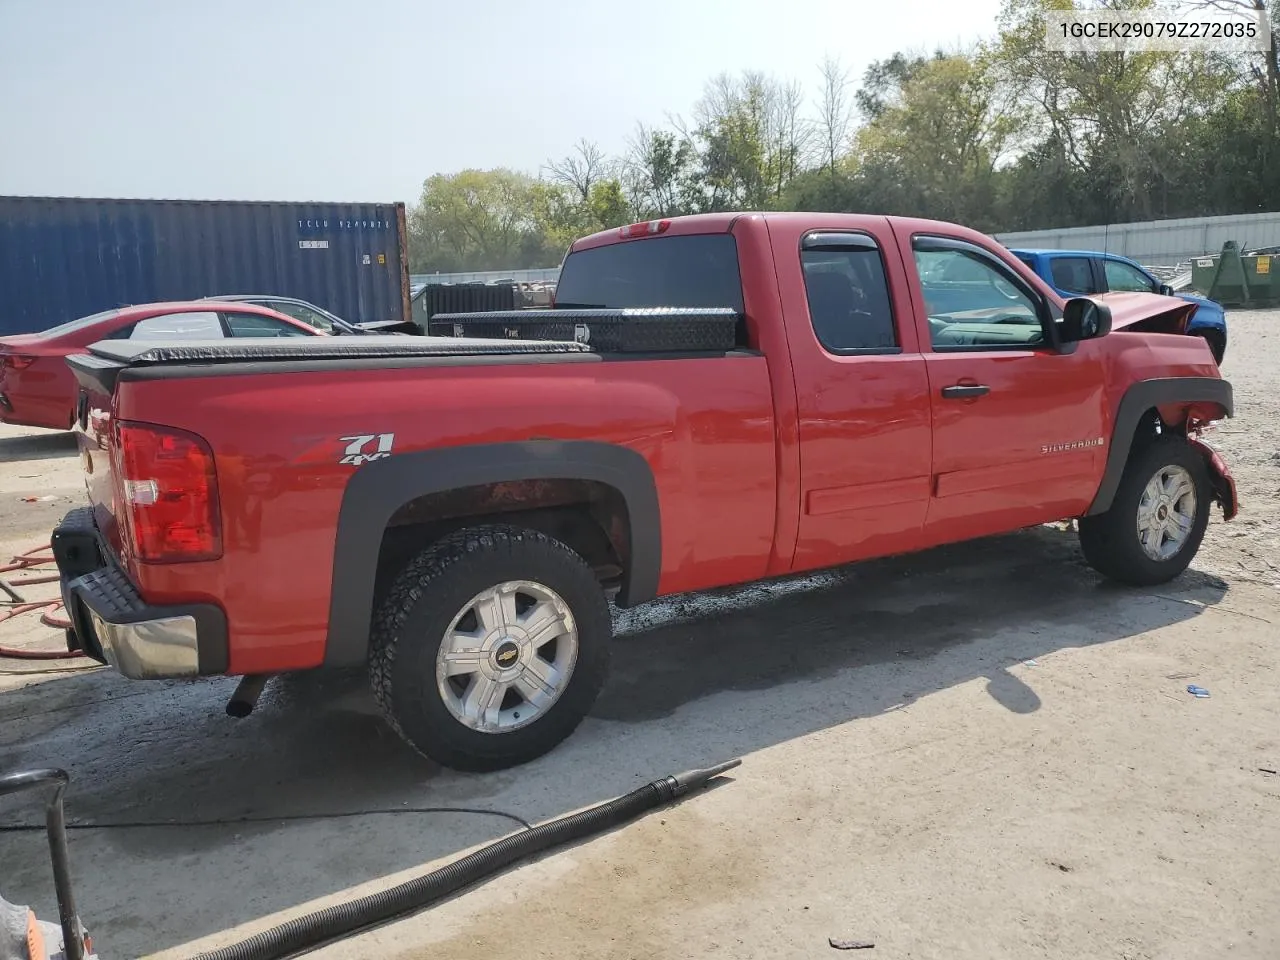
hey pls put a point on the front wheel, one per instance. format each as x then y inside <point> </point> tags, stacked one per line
<point>490,647</point>
<point>1157,519</point>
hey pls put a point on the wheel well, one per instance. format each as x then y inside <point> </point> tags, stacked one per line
<point>1180,420</point>
<point>1216,339</point>
<point>1150,427</point>
<point>589,517</point>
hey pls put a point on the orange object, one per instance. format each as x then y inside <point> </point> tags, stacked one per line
<point>35,938</point>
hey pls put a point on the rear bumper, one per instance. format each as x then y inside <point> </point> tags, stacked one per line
<point>111,623</point>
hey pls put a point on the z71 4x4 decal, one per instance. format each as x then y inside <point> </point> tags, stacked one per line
<point>357,451</point>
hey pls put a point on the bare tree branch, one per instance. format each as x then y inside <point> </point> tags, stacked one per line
<point>581,169</point>
<point>836,116</point>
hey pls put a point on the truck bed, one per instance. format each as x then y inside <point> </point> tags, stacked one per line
<point>249,349</point>
<point>108,360</point>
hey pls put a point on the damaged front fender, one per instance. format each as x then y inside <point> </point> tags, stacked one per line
<point>1224,485</point>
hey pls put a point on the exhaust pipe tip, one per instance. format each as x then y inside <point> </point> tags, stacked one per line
<point>246,695</point>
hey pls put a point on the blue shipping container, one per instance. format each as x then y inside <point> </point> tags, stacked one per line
<point>67,257</point>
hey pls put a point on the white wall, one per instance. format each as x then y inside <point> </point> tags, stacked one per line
<point>1158,242</point>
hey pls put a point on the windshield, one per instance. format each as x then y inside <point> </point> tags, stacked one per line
<point>692,271</point>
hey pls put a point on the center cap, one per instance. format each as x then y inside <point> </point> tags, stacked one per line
<point>506,654</point>
<point>1163,512</point>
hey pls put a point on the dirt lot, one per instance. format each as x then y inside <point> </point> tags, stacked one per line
<point>982,752</point>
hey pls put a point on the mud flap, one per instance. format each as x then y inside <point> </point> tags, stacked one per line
<point>1224,485</point>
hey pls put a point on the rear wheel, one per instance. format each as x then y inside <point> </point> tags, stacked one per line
<point>490,647</point>
<point>1157,519</point>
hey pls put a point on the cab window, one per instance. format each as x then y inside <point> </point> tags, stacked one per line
<point>308,316</point>
<point>848,295</point>
<point>1073,275</point>
<point>972,301</point>
<point>256,325</point>
<point>1122,276</point>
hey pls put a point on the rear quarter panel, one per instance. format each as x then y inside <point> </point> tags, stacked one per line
<point>705,427</point>
<point>42,394</point>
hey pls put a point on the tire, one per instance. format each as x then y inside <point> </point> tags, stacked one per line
<point>473,720</point>
<point>1111,541</point>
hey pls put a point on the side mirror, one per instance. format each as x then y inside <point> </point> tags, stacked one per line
<point>1167,291</point>
<point>1084,319</point>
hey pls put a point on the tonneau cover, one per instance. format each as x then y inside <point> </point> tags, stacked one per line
<point>259,349</point>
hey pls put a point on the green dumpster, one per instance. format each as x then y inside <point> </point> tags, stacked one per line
<point>1262,276</point>
<point>1235,281</point>
<point>1203,272</point>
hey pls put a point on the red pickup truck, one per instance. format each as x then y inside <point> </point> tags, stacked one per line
<point>455,512</point>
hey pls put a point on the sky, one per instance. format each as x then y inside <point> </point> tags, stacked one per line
<point>361,100</point>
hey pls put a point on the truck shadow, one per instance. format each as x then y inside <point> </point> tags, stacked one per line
<point>37,446</point>
<point>695,680</point>
<point>1032,586</point>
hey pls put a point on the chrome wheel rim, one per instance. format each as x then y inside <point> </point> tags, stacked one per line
<point>1167,513</point>
<point>507,656</point>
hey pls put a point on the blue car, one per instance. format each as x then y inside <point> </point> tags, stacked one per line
<point>1082,272</point>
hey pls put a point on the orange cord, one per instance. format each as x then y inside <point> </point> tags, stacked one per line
<point>47,608</point>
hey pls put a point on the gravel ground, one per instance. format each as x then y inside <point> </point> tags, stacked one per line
<point>934,761</point>
<point>1248,548</point>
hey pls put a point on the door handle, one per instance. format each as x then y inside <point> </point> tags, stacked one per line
<point>963,391</point>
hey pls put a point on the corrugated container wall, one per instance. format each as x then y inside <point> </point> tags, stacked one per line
<point>63,258</point>
<point>1157,242</point>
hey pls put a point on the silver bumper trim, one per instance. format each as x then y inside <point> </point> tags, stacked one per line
<point>150,649</point>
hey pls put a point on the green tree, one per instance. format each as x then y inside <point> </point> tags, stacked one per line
<point>657,169</point>
<point>477,220</point>
<point>1116,115</point>
<point>936,138</point>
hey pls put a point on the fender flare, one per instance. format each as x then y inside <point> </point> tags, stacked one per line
<point>378,489</point>
<point>1137,400</point>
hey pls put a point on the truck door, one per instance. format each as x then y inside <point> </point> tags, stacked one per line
<point>1018,429</point>
<point>862,393</point>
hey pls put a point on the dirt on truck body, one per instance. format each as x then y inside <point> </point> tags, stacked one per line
<point>458,519</point>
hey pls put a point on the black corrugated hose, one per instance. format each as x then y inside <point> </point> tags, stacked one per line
<point>330,923</point>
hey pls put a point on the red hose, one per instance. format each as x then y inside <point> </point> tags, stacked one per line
<point>25,561</point>
<point>28,561</point>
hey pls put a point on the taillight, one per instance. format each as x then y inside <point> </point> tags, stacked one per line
<point>17,361</point>
<point>169,494</point>
<point>644,228</point>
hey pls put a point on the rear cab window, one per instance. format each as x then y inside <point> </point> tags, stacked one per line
<point>697,270</point>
